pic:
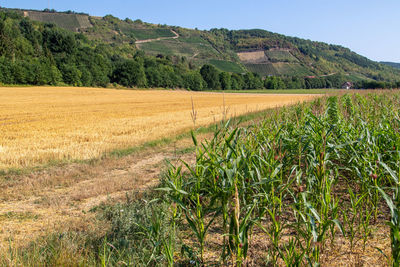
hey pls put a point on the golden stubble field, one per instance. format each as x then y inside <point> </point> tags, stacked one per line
<point>41,124</point>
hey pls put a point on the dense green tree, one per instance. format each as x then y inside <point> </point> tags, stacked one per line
<point>313,83</point>
<point>6,72</point>
<point>211,76</point>
<point>55,76</point>
<point>95,66</point>
<point>194,81</point>
<point>154,77</point>
<point>295,83</point>
<point>273,82</point>
<point>8,35</point>
<point>252,81</point>
<point>71,74</point>
<point>58,40</point>
<point>130,73</point>
<point>225,80</point>
<point>258,82</point>
<point>27,30</point>
<point>237,81</point>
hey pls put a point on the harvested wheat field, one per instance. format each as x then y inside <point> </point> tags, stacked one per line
<point>39,124</point>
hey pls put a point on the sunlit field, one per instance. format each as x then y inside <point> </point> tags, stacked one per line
<point>42,124</point>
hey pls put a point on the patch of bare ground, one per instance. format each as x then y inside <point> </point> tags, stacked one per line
<point>253,57</point>
<point>338,253</point>
<point>58,199</point>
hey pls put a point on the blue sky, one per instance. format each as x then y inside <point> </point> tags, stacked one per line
<point>369,27</point>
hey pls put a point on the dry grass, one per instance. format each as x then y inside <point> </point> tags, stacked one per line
<point>253,57</point>
<point>58,199</point>
<point>40,124</point>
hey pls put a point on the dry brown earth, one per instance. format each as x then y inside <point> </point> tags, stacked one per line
<point>255,57</point>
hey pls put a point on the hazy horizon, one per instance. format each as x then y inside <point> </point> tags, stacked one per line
<point>366,27</point>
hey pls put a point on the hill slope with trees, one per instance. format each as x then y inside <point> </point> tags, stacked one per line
<point>392,64</point>
<point>106,52</point>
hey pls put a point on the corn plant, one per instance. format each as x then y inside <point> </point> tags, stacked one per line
<point>394,206</point>
<point>351,218</point>
<point>239,229</point>
<point>291,254</point>
<point>394,224</point>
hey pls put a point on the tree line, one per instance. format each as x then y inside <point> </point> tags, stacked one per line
<point>217,80</point>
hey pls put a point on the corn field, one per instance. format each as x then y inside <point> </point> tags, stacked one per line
<point>305,178</point>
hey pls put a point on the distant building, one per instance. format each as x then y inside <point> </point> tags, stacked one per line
<point>347,85</point>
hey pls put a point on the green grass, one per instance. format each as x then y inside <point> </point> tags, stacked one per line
<point>168,47</point>
<point>291,69</point>
<point>143,34</point>
<point>262,69</point>
<point>70,22</point>
<point>280,56</point>
<point>227,66</point>
<point>16,85</point>
<point>193,40</point>
<point>280,68</point>
<point>179,47</point>
<point>357,77</point>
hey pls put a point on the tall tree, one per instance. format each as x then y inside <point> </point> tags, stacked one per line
<point>130,73</point>
<point>225,80</point>
<point>211,76</point>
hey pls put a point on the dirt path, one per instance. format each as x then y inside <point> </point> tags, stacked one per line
<point>158,39</point>
<point>58,199</point>
<point>195,55</point>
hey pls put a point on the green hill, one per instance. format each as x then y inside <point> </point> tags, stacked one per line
<point>285,56</point>
<point>392,64</point>
<point>29,35</point>
<point>68,20</point>
<point>71,22</point>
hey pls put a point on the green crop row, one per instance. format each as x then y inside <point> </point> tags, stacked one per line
<point>262,69</point>
<point>227,66</point>
<point>280,56</point>
<point>321,172</point>
<point>142,34</point>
